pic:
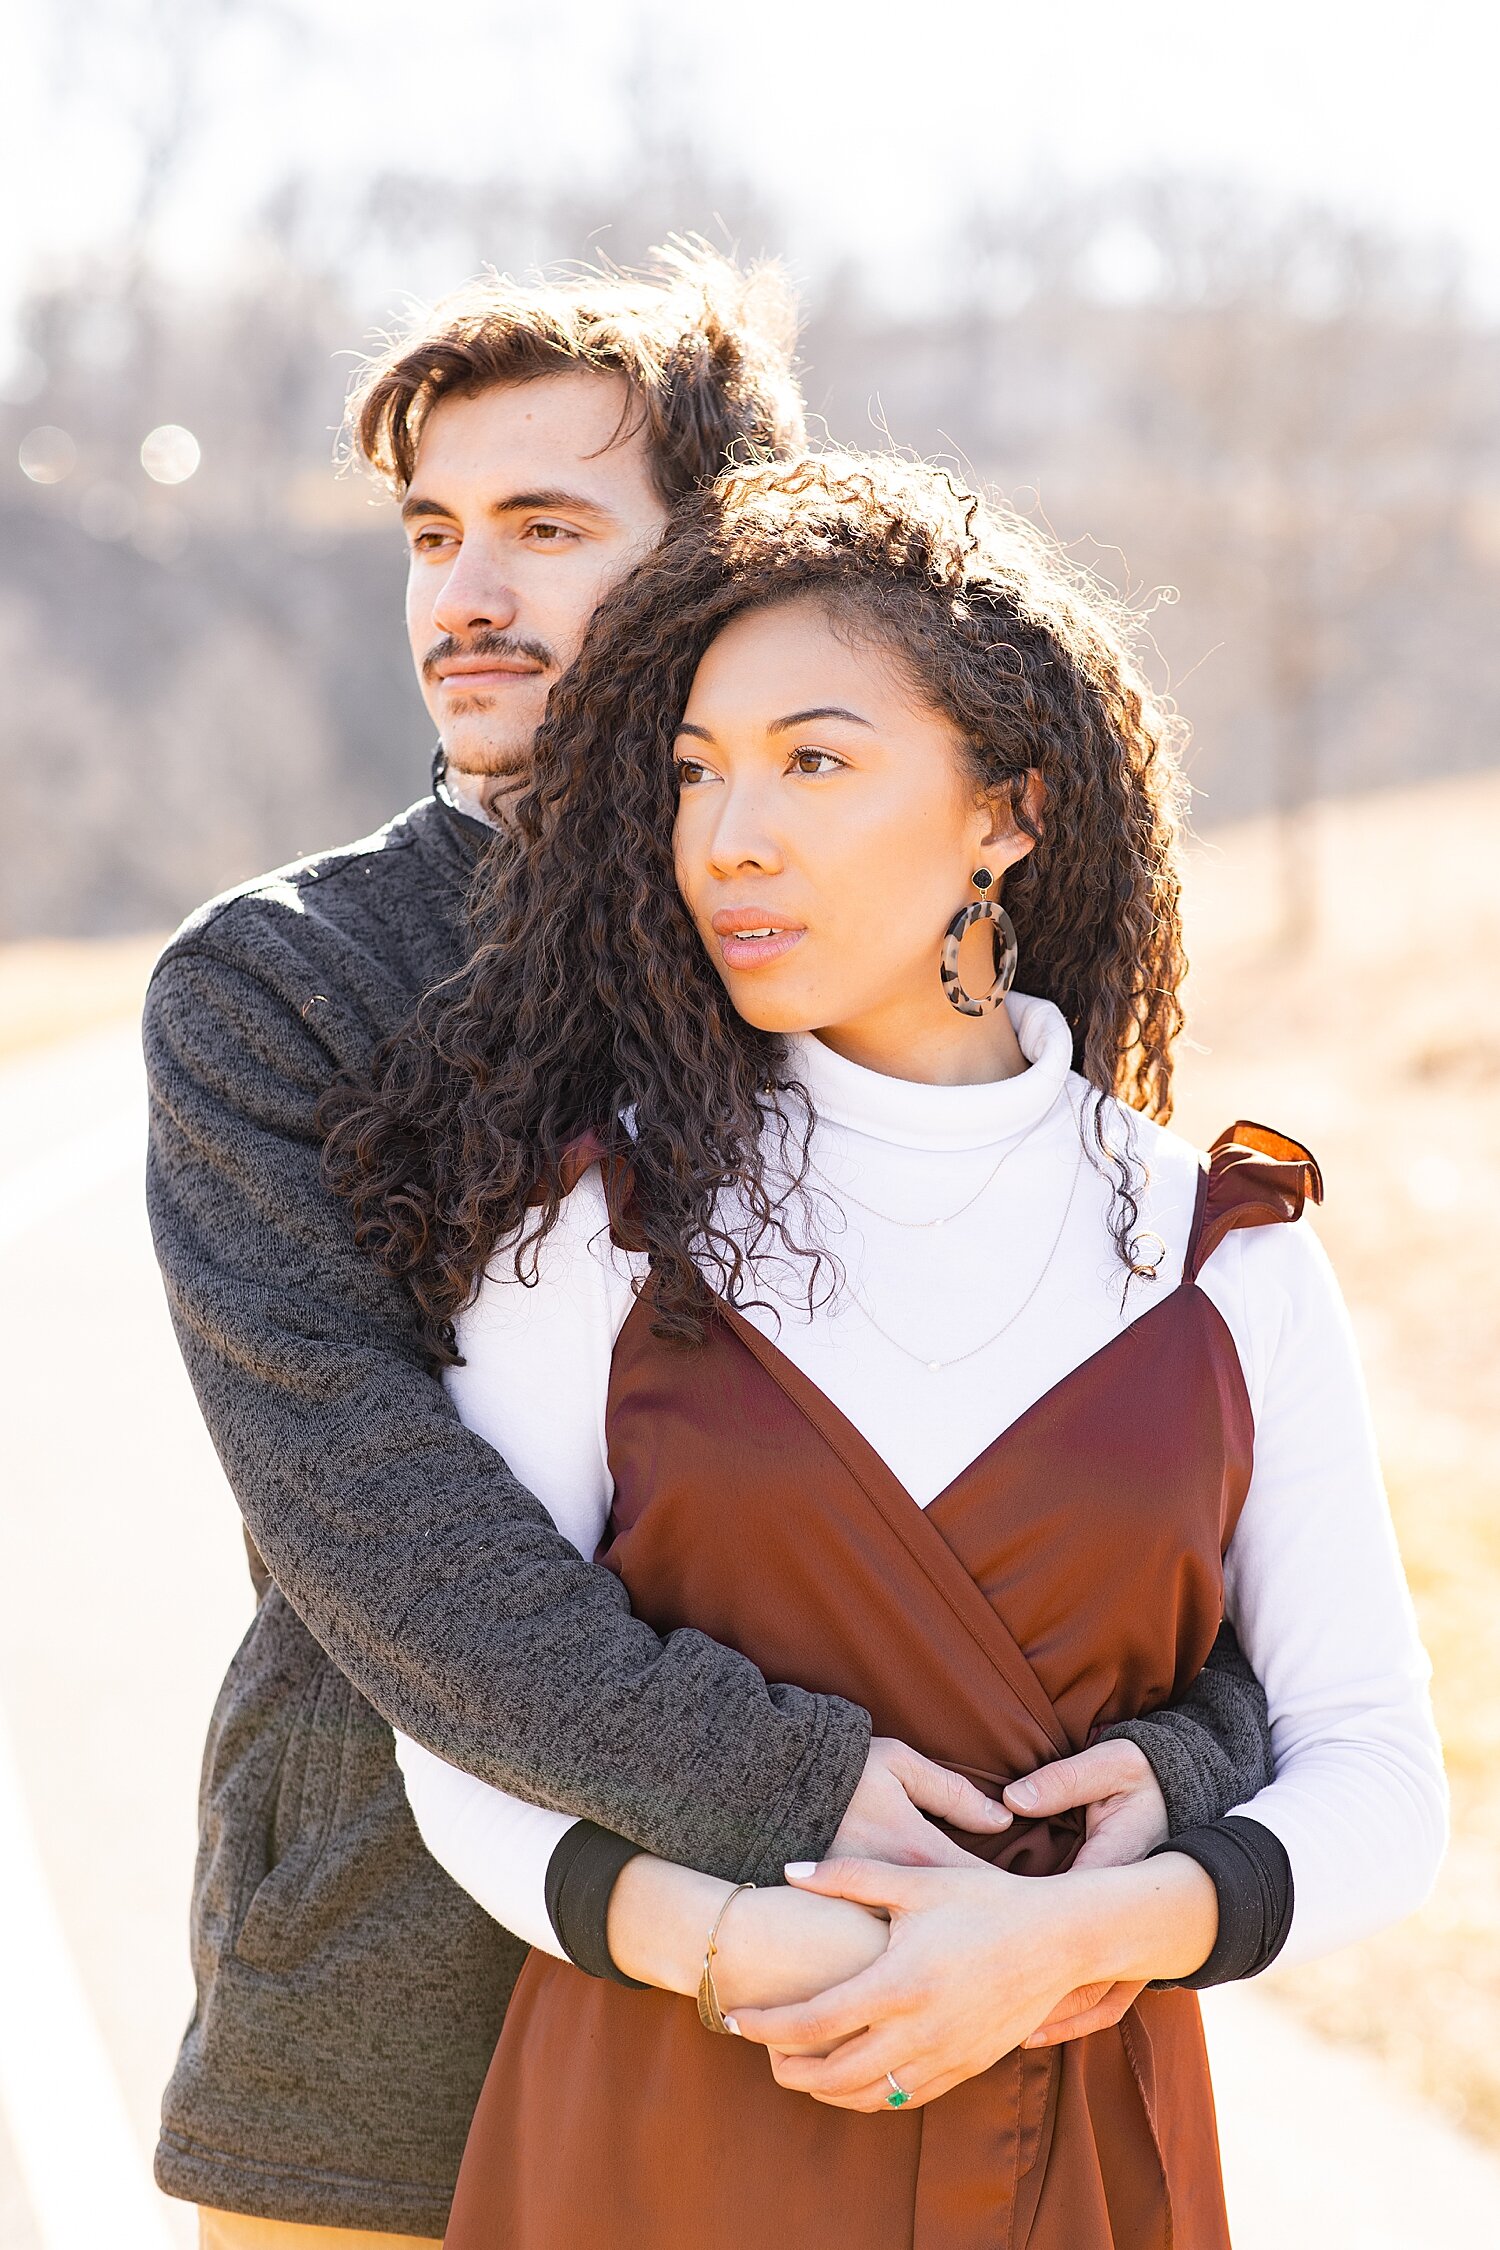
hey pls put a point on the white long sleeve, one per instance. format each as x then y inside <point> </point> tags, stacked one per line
<point>1313,1582</point>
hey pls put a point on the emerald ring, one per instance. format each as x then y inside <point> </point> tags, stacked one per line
<point>898,2097</point>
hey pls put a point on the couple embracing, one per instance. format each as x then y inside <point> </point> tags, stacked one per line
<point>819,1570</point>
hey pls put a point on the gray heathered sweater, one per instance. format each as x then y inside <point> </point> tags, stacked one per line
<point>349,1995</point>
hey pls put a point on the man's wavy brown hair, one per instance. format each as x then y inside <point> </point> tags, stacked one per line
<point>589,1008</point>
<point>704,347</point>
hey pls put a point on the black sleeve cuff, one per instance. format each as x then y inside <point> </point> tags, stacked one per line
<point>1253,1877</point>
<point>581,1875</point>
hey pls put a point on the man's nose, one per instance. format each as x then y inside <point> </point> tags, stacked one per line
<point>474,596</point>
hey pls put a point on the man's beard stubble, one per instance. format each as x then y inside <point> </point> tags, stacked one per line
<point>489,771</point>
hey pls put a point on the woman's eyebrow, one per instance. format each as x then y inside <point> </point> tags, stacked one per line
<point>699,734</point>
<point>823,711</point>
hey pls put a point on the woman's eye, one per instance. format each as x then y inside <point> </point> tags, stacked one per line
<point>551,534</point>
<point>815,761</point>
<point>689,771</point>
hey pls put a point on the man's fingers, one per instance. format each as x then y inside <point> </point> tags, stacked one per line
<point>948,1796</point>
<point>1104,1770</point>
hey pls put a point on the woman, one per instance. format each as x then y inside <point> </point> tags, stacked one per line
<point>892,1338</point>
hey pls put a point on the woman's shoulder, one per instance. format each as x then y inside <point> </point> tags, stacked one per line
<point>576,1263</point>
<point>1252,1183</point>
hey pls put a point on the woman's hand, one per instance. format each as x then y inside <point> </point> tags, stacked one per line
<point>977,1961</point>
<point>1126,1819</point>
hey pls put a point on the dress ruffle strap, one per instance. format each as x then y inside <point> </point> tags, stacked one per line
<point>1256,1177</point>
<point>618,1177</point>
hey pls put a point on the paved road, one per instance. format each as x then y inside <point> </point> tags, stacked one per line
<point>122,1595</point>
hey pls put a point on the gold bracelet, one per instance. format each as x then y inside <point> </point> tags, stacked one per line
<point>710,2014</point>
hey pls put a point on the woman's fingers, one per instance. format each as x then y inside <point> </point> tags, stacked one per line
<point>813,2026</point>
<point>1107,1769</point>
<point>869,1882</point>
<point>1106,2005</point>
<point>854,2064</point>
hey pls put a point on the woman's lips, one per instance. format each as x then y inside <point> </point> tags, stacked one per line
<point>746,949</point>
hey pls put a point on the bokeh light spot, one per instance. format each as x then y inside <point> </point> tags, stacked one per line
<point>47,454</point>
<point>170,454</point>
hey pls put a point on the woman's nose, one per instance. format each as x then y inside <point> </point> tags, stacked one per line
<point>743,840</point>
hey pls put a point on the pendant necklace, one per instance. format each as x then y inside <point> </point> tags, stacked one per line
<point>844,1195</point>
<point>940,1366</point>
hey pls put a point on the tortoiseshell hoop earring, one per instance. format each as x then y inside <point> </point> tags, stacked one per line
<point>1003,934</point>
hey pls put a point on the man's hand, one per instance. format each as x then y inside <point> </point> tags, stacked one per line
<point>885,1816</point>
<point>1127,1817</point>
<point>1127,1813</point>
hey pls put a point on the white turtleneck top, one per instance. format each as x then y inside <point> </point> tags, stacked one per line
<point>932,1339</point>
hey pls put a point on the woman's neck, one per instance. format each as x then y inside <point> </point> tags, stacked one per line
<point>964,1051</point>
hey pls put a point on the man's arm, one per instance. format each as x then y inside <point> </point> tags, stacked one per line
<point>433,1579</point>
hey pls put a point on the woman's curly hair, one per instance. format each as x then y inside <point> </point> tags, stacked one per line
<point>589,1012</point>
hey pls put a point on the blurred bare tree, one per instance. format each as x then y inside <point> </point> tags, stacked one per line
<point>1290,420</point>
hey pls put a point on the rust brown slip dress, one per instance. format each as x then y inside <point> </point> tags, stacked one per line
<point>1071,1575</point>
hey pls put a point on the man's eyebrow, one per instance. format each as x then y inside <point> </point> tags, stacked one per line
<point>554,496</point>
<point>515,503</point>
<point>823,711</point>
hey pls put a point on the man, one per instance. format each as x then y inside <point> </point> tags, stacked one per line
<point>349,1996</point>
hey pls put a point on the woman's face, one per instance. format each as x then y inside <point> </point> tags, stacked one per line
<point>828,826</point>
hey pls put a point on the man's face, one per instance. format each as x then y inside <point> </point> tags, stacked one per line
<point>520,516</point>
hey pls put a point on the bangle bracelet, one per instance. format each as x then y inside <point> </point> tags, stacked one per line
<point>710,2014</point>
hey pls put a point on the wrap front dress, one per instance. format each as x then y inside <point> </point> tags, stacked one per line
<point>1071,1575</point>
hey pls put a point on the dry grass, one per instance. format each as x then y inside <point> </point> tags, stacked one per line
<point>1377,1041</point>
<point>58,988</point>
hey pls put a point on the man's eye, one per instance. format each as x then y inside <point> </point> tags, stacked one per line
<point>427,542</point>
<point>551,534</point>
<point>815,761</point>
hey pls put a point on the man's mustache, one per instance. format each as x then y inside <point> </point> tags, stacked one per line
<point>509,645</point>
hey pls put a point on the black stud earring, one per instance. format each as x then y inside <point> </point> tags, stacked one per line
<point>1006,948</point>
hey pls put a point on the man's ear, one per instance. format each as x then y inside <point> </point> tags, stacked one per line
<point>1005,840</point>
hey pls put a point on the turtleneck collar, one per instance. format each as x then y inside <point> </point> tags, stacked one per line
<point>923,1116</point>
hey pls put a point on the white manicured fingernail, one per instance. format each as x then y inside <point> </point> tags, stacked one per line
<point>798,1870</point>
<point>731,2025</point>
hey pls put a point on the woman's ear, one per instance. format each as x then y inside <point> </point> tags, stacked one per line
<point>1005,840</point>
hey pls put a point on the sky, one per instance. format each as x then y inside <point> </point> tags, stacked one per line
<point>867,127</point>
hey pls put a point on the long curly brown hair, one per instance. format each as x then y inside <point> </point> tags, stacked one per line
<point>589,1009</point>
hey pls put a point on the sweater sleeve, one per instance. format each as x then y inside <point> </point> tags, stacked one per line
<point>1314,1587</point>
<point>434,1579</point>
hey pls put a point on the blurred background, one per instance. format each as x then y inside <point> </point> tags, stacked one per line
<point>1215,294</point>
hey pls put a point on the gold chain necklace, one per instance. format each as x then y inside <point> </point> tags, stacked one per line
<point>940,1366</point>
<point>845,1195</point>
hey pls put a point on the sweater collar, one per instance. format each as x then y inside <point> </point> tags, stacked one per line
<point>922,1116</point>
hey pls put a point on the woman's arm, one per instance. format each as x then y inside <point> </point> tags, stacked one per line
<point>977,1959</point>
<point>774,1946</point>
<point>1315,1588</point>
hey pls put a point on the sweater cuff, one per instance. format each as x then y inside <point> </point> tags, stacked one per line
<point>581,1875</point>
<point>1253,1877</point>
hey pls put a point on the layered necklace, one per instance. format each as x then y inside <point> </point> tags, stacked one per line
<point>958,1359</point>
